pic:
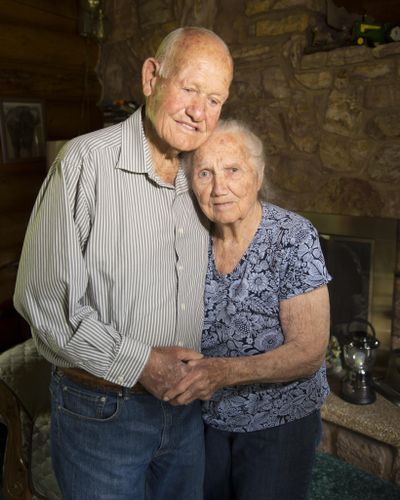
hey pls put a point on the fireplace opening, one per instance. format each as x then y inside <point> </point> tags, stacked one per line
<point>360,254</point>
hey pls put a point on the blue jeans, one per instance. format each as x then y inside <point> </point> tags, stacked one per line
<point>273,464</point>
<point>115,446</point>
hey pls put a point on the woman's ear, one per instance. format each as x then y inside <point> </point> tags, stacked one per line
<point>260,181</point>
<point>149,75</point>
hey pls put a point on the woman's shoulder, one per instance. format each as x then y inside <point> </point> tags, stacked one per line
<point>282,219</point>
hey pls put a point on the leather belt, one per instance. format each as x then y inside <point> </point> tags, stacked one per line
<point>85,378</point>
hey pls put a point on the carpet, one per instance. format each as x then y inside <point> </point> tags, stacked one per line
<point>334,479</point>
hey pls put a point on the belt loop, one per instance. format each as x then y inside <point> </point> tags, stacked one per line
<point>56,373</point>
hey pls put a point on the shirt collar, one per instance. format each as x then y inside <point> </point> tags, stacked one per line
<point>135,152</point>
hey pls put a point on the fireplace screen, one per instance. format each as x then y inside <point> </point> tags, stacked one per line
<point>350,263</point>
<point>360,253</point>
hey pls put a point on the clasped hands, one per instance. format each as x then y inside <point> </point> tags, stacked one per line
<point>179,375</point>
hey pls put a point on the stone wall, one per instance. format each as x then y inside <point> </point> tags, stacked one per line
<point>330,119</point>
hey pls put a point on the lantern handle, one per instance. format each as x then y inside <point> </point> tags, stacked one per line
<point>365,322</point>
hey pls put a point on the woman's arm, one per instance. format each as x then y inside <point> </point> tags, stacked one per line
<point>305,325</point>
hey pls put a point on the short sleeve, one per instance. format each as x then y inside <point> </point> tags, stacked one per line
<point>303,265</point>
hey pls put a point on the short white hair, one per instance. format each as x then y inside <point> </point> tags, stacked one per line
<point>167,50</point>
<point>253,144</point>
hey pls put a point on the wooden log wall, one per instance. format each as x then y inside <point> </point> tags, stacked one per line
<point>42,56</point>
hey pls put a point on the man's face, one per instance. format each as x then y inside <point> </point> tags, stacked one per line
<point>184,107</point>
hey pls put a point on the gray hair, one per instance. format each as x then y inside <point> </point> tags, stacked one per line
<point>251,141</point>
<point>168,48</point>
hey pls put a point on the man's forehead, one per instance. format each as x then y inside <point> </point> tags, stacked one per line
<point>204,48</point>
<point>204,68</point>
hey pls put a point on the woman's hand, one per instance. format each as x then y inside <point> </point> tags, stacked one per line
<point>166,367</point>
<point>205,376</point>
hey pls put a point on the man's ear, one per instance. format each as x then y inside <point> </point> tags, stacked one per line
<point>149,75</point>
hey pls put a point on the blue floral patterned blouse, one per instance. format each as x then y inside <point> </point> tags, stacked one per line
<point>242,319</point>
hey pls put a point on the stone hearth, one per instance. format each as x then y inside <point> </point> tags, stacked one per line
<point>367,436</point>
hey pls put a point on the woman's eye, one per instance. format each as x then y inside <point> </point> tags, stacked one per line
<point>204,174</point>
<point>233,170</point>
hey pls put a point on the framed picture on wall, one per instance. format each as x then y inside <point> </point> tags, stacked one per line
<point>22,130</point>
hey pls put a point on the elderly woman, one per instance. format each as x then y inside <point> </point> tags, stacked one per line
<point>266,329</point>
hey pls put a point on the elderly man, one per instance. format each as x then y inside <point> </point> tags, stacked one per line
<point>111,280</point>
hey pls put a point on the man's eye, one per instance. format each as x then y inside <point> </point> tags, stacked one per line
<point>188,89</point>
<point>215,102</point>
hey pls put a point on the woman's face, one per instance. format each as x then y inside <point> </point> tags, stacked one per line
<point>224,179</point>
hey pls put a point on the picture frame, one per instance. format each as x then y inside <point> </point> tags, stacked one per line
<point>22,130</point>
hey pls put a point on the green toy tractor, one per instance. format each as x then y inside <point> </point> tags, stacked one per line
<point>373,34</point>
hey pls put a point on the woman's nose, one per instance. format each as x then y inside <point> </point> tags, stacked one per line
<point>219,185</point>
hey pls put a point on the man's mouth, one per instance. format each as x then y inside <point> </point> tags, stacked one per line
<point>188,126</point>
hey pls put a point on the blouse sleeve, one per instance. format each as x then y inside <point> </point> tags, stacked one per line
<point>303,265</point>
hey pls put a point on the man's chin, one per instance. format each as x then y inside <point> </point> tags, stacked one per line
<point>191,144</point>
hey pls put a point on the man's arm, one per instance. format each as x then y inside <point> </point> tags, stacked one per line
<point>53,281</point>
<point>305,325</point>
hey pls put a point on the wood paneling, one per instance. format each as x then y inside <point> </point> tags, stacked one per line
<point>41,14</point>
<point>42,56</point>
<point>54,82</point>
<point>45,46</point>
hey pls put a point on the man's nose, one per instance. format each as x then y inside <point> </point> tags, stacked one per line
<point>197,108</point>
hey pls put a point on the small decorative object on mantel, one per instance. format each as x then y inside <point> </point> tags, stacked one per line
<point>373,34</point>
<point>333,32</point>
<point>342,28</point>
<point>22,128</point>
<point>117,110</point>
<point>359,356</point>
<point>333,356</point>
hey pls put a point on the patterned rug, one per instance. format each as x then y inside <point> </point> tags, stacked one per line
<point>334,479</point>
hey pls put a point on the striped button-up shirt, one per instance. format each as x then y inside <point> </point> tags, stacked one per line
<point>114,259</point>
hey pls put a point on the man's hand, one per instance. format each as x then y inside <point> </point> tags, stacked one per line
<point>204,378</point>
<point>165,368</point>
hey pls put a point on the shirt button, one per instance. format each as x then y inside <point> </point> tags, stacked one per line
<point>120,380</point>
<point>180,267</point>
<point>180,343</point>
<point>180,230</point>
<point>183,307</point>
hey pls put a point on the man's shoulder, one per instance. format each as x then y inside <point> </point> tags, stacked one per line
<point>83,145</point>
<point>114,136</point>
